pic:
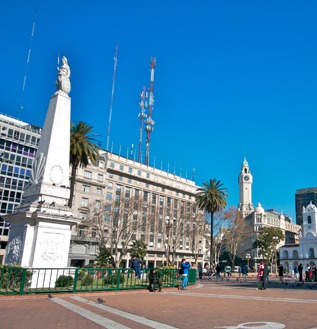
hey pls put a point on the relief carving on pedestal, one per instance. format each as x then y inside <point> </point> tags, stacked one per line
<point>38,169</point>
<point>14,251</point>
<point>56,175</point>
<point>51,249</point>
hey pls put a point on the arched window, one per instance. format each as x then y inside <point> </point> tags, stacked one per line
<point>245,170</point>
<point>295,254</point>
<point>311,253</point>
<point>309,219</point>
<point>285,254</point>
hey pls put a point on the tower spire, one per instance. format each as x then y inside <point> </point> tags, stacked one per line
<point>149,121</point>
<point>112,95</point>
<point>142,115</point>
<point>245,183</point>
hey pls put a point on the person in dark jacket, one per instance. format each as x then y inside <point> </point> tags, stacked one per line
<point>300,272</point>
<point>218,269</point>
<point>281,272</point>
<point>136,266</point>
<point>200,272</point>
<point>154,280</point>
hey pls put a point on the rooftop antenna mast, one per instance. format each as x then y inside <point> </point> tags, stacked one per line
<point>142,115</point>
<point>27,64</point>
<point>149,122</point>
<point>112,95</point>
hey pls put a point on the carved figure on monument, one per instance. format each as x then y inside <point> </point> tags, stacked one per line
<point>51,248</point>
<point>37,173</point>
<point>14,251</point>
<point>63,82</point>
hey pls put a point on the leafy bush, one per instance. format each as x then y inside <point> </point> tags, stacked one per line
<point>64,281</point>
<point>87,280</point>
<point>113,279</point>
<point>11,277</point>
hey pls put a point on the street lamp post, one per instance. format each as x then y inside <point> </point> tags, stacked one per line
<point>275,240</point>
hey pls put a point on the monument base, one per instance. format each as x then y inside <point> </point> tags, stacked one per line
<point>39,239</point>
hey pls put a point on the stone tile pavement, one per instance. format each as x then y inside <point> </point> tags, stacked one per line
<point>209,304</point>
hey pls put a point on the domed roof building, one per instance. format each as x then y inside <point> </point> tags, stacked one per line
<point>305,251</point>
<point>258,218</point>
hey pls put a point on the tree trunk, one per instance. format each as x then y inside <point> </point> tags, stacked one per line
<point>211,239</point>
<point>72,186</point>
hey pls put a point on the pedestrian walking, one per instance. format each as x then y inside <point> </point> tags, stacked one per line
<point>244,272</point>
<point>260,277</point>
<point>314,273</point>
<point>185,267</point>
<point>218,269</point>
<point>306,272</point>
<point>200,272</point>
<point>300,272</point>
<point>281,272</point>
<point>296,272</point>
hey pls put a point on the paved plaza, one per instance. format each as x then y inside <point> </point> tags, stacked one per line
<point>209,304</point>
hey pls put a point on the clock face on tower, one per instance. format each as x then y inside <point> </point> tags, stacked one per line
<point>246,178</point>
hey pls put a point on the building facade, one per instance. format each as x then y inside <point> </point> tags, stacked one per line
<point>303,198</point>
<point>258,218</point>
<point>305,250</point>
<point>18,145</point>
<point>4,234</point>
<point>169,223</point>
<point>136,202</point>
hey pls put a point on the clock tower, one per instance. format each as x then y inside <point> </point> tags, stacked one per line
<point>245,181</point>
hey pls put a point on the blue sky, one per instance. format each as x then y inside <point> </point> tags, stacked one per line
<point>233,79</point>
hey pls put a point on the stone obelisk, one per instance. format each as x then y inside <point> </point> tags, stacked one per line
<point>41,226</point>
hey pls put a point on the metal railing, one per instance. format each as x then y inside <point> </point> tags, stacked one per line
<point>17,280</point>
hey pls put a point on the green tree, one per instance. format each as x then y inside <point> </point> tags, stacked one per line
<point>267,240</point>
<point>82,149</point>
<point>233,231</point>
<point>138,249</point>
<point>104,258</point>
<point>211,197</point>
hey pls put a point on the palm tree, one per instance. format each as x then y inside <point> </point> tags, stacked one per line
<point>138,249</point>
<point>82,149</point>
<point>211,197</point>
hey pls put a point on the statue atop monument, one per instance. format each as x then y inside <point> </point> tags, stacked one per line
<point>63,82</point>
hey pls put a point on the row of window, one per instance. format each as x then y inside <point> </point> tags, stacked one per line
<point>20,136</point>
<point>15,184</point>
<point>85,203</point>
<point>6,207</point>
<point>148,197</point>
<point>146,185</point>
<point>89,189</point>
<point>88,175</point>
<point>17,160</point>
<point>17,148</point>
<point>7,195</point>
<point>17,172</point>
<point>147,175</point>
<point>110,185</point>
<point>311,254</point>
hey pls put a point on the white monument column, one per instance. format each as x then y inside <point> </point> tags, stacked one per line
<point>41,226</point>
